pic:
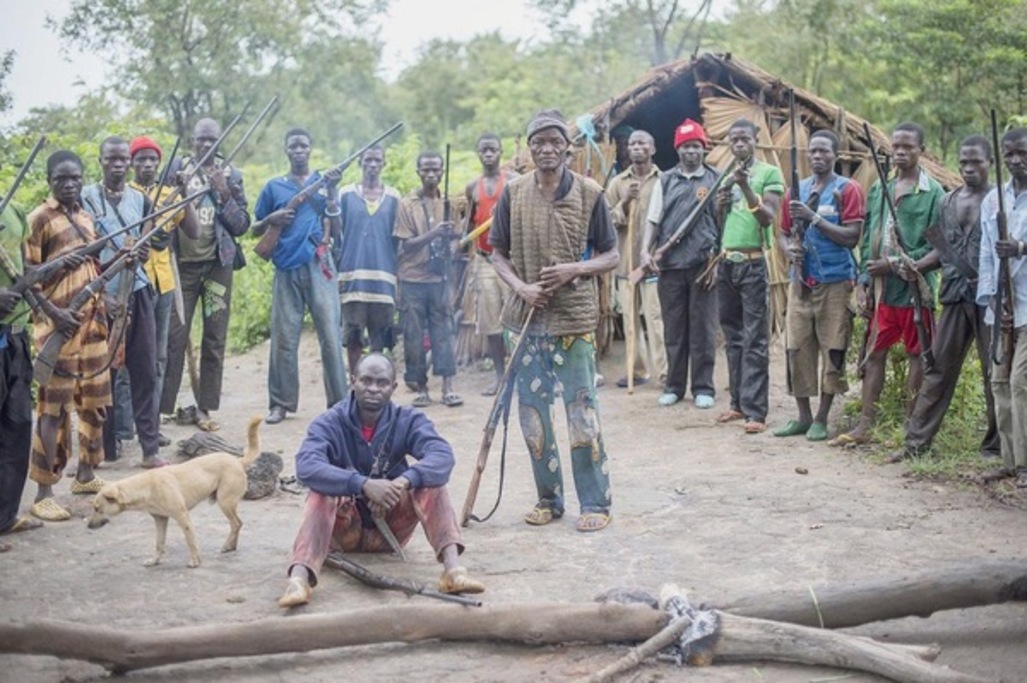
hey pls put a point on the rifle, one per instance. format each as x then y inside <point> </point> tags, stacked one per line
<point>21,174</point>
<point>447,213</point>
<point>339,561</point>
<point>6,262</point>
<point>44,271</point>
<point>798,225</point>
<point>253,126</point>
<point>46,359</point>
<point>1001,339</point>
<point>922,333</point>
<point>637,274</point>
<point>269,240</point>
<point>500,411</point>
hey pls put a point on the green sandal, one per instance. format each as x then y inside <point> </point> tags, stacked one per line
<point>817,432</point>
<point>792,428</point>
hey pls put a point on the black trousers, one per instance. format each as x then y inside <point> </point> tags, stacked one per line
<point>959,326</point>
<point>743,296</point>
<point>689,313</point>
<point>424,306</point>
<point>141,366</point>
<point>15,423</point>
<point>209,284</point>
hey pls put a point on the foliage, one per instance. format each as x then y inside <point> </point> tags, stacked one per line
<point>194,58</point>
<point>668,28</point>
<point>6,63</point>
<point>955,452</point>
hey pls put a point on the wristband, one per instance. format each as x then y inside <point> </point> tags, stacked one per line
<point>333,214</point>
<point>754,209</point>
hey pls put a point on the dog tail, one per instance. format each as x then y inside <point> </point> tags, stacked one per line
<point>252,441</point>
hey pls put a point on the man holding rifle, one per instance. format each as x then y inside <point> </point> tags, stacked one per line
<point>552,234</point>
<point>490,292</point>
<point>113,205</point>
<point>424,239</point>
<point>304,275</point>
<point>749,204</point>
<point>887,280</point>
<point>689,307</point>
<point>1009,379</point>
<point>205,265</point>
<point>831,207</point>
<point>80,382</point>
<point>15,380</point>
<point>957,243</point>
<point>146,159</point>
<point>629,195</point>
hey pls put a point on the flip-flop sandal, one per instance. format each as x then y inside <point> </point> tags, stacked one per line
<point>452,400</point>
<point>848,441</point>
<point>791,428</point>
<point>422,400</point>
<point>207,424</point>
<point>817,432</point>
<point>22,523</point>
<point>540,516</point>
<point>729,416</point>
<point>84,487</point>
<point>755,427</point>
<point>592,521</point>
<point>49,510</point>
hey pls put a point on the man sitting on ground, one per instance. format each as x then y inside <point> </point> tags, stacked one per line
<point>354,461</point>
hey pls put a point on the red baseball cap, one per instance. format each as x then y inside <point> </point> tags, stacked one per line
<point>690,130</point>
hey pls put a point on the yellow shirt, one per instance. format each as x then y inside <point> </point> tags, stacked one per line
<point>158,266</point>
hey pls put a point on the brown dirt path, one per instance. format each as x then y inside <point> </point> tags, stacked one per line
<point>719,513</point>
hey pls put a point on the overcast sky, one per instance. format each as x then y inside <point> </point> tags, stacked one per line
<point>44,74</point>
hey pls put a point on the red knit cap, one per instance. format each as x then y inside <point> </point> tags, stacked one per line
<point>689,130</point>
<point>142,142</point>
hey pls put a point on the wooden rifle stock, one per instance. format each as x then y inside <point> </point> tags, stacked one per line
<point>1003,305</point>
<point>269,240</point>
<point>636,275</point>
<point>923,336</point>
<point>500,404</point>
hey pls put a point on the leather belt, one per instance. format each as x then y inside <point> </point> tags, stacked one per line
<point>741,256</point>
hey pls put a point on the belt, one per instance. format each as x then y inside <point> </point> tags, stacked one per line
<point>741,256</point>
<point>483,253</point>
<point>12,329</point>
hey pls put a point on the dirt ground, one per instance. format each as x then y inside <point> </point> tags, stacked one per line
<point>719,513</point>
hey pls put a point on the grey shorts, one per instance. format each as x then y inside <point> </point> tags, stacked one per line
<point>358,316</point>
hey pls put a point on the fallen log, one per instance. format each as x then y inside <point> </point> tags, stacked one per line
<point>919,593</point>
<point>914,593</point>
<point>120,650</point>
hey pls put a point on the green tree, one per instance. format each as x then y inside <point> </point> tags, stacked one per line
<point>671,27</point>
<point>6,64</point>
<point>194,58</point>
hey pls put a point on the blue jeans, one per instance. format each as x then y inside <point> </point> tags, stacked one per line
<point>295,291</point>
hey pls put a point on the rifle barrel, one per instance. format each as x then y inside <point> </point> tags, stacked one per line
<point>21,173</point>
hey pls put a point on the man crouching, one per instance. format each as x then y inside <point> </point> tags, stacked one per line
<point>354,461</point>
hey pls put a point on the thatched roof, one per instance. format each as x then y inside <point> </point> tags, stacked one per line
<point>716,89</point>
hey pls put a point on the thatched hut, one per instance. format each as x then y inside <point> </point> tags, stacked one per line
<point>716,90</point>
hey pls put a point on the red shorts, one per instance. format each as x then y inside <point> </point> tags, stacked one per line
<point>895,323</point>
